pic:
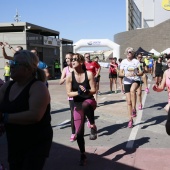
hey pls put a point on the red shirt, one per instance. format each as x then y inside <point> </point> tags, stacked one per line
<point>113,67</point>
<point>92,66</point>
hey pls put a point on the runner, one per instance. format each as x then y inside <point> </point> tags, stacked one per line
<point>146,60</point>
<point>93,67</point>
<point>120,79</point>
<point>97,79</point>
<point>143,79</point>
<point>158,71</point>
<point>130,68</point>
<point>66,71</point>
<point>165,83</point>
<point>113,67</point>
<point>81,86</point>
<point>151,65</point>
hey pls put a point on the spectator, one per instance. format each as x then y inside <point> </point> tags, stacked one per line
<point>25,111</point>
<point>7,72</point>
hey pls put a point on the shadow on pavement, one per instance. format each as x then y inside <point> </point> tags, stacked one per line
<point>110,102</point>
<point>66,158</point>
<point>60,110</point>
<point>159,105</point>
<point>109,130</point>
<point>153,121</point>
<point>127,151</point>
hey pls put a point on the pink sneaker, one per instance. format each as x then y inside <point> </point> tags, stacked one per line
<point>130,124</point>
<point>73,137</point>
<point>88,124</point>
<point>147,90</point>
<point>134,113</point>
<point>140,107</point>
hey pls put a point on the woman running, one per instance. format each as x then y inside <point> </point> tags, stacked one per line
<point>120,79</point>
<point>81,86</point>
<point>158,71</point>
<point>67,70</point>
<point>113,74</point>
<point>130,69</point>
<point>144,79</point>
<point>165,83</point>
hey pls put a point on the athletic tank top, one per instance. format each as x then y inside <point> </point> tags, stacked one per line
<point>67,72</point>
<point>158,67</point>
<point>75,86</point>
<point>22,137</point>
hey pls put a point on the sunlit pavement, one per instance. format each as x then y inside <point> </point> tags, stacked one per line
<point>145,146</point>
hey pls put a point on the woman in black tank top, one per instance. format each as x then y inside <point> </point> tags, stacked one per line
<point>25,104</point>
<point>158,70</point>
<point>81,86</point>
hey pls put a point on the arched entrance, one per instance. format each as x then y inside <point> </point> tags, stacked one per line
<point>98,43</point>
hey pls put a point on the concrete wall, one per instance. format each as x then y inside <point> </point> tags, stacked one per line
<point>157,37</point>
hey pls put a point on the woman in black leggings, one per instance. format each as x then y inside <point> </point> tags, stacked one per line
<point>81,86</point>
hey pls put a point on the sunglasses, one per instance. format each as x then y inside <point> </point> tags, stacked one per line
<point>74,59</point>
<point>87,57</point>
<point>130,52</point>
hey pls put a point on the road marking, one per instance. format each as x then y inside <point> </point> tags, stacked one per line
<point>63,123</point>
<point>135,129</point>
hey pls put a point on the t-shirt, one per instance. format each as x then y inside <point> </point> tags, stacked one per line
<point>113,68</point>
<point>151,61</point>
<point>92,66</point>
<point>129,67</point>
<point>146,60</point>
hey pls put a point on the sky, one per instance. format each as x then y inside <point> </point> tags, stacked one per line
<point>74,19</point>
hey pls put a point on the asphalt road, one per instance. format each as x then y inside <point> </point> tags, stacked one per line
<point>145,146</point>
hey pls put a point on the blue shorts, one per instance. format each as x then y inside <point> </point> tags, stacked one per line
<point>150,66</point>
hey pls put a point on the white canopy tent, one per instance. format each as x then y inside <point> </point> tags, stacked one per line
<point>166,51</point>
<point>155,52</point>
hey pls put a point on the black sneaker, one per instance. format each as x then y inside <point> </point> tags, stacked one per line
<point>83,160</point>
<point>93,134</point>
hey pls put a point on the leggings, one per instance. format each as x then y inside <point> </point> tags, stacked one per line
<point>82,109</point>
<point>71,103</point>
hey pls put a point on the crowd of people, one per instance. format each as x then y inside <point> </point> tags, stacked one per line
<point>26,114</point>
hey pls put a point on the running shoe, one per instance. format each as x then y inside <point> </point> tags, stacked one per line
<point>115,91</point>
<point>99,93</point>
<point>134,113</point>
<point>140,107</point>
<point>72,138</point>
<point>147,90</point>
<point>83,160</point>
<point>130,124</point>
<point>123,92</point>
<point>93,134</point>
<point>88,124</point>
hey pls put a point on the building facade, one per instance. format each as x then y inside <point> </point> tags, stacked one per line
<point>147,25</point>
<point>145,13</point>
<point>46,41</point>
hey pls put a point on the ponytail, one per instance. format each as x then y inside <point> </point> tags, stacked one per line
<point>40,75</point>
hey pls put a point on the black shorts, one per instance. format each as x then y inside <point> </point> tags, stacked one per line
<point>97,79</point>
<point>128,86</point>
<point>158,74</point>
<point>111,75</point>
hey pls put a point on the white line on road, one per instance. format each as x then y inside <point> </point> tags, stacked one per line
<point>135,129</point>
<point>63,123</point>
